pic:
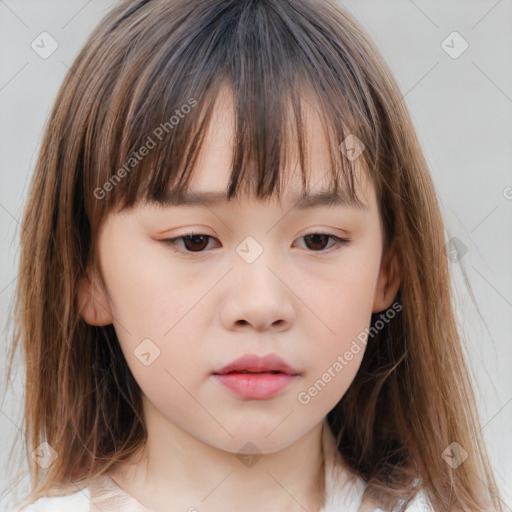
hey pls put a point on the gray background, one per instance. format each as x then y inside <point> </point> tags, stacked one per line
<point>462,109</point>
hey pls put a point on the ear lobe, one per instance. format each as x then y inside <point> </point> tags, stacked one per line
<point>93,305</point>
<point>388,282</point>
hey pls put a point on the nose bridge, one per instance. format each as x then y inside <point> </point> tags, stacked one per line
<point>254,261</point>
<point>257,294</point>
<point>259,252</point>
<point>256,229</point>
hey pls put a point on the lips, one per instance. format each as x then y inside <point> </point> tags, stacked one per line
<point>251,363</point>
<point>252,377</point>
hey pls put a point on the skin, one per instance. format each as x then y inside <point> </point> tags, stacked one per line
<point>202,310</point>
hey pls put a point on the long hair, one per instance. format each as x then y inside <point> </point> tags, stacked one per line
<point>148,77</point>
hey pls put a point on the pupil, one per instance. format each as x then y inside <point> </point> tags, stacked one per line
<point>196,239</point>
<point>315,237</point>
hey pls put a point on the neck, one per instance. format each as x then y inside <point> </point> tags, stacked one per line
<point>176,468</point>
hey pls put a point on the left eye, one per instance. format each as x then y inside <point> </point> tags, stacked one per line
<point>196,242</point>
<point>319,238</point>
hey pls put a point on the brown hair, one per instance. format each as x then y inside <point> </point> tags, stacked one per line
<point>141,66</point>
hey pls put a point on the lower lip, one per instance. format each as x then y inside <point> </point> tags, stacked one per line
<point>255,385</point>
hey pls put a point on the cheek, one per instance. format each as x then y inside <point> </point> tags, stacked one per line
<point>158,309</point>
<point>148,292</point>
<point>341,296</point>
<point>342,302</point>
<point>335,357</point>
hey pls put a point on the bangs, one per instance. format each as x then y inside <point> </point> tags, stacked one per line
<point>272,58</point>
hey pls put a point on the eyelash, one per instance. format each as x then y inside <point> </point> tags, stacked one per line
<point>172,242</point>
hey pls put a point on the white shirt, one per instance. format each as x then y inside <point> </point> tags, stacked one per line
<point>343,493</point>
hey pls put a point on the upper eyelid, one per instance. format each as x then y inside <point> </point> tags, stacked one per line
<point>312,232</point>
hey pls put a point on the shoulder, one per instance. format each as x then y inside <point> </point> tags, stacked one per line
<point>420,503</point>
<point>75,502</point>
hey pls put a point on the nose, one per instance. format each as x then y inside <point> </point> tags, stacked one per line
<point>258,298</point>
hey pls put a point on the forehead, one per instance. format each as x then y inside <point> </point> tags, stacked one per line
<point>212,169</point>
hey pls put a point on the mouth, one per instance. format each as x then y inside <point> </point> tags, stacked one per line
<point>256,378</point>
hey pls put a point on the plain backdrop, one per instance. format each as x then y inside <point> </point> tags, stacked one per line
<point>462,109</point>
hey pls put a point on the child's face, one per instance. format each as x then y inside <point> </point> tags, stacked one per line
<point>306,301</point>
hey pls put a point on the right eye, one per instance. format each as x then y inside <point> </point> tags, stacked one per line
<point>194,242</point>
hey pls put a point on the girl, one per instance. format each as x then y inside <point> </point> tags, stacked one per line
<point>189,342</point>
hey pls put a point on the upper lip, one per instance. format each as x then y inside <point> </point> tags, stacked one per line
<point>255,363</point>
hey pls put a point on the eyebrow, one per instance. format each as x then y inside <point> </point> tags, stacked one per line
<point>300,202</point>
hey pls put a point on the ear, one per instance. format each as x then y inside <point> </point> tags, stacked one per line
<point>92,300</point>
<point>389,280</point>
